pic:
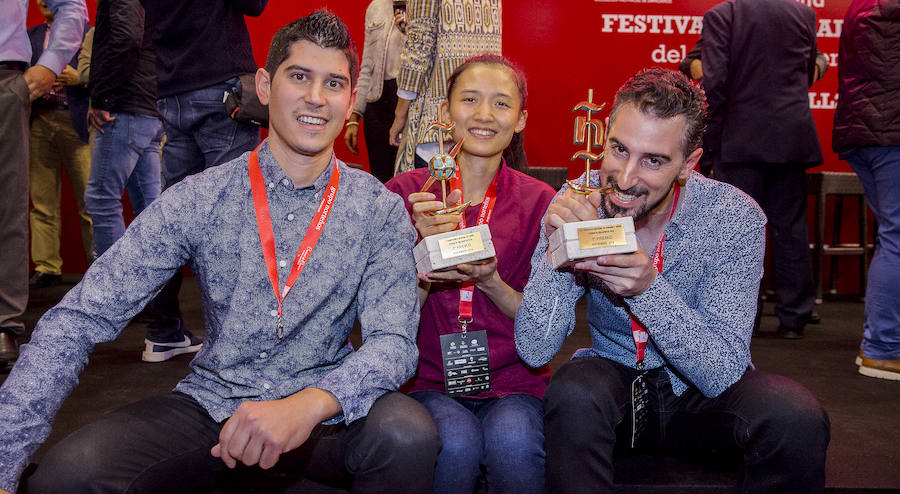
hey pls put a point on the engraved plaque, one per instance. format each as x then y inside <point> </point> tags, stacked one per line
<point>461,245</point>
<point>601,236</point>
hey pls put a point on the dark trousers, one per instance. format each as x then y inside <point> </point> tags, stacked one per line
<point>378,118</point>
<point>162,445</point>
<point>14,100</point>
<point>780,189</point>
<point>775,425</point>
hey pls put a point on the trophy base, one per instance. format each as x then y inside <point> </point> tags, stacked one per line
<point>445,250</point>
<point>583,239</point>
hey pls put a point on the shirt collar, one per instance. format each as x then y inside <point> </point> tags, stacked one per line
<point>274,174</point>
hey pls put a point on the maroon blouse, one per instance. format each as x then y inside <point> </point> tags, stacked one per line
<point>515,225</point>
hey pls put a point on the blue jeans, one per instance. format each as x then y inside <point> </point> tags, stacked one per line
<point>199,134</point>
<point>878,169</point>
<point>125,156</point>
<point>504,435</point>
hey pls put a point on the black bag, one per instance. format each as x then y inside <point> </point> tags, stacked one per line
<point>244,106</point>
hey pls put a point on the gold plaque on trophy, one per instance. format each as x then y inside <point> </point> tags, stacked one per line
<point>601,236</point>
<point>461,245</point>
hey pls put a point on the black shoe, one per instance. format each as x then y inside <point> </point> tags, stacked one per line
<point>9,351</point>
<point>40,279</point>
<point>814,318</point>
<point>790,333</point>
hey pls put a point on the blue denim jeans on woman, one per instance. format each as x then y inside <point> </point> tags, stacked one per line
<point>125,156</point>
<point>878,168</point>
<point>504,435</point>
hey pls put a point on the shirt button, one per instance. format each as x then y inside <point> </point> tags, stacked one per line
<point>267,386</point>
<point>271,185</point>
<point>286,182</point>
<point>282,263</point>
<point>263,355</point>
<point>274,313</point>
<point>291,217</point>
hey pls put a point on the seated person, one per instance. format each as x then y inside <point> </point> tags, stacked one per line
<point>678,313</point>
<point>277,383</point>
<point>498,429</point>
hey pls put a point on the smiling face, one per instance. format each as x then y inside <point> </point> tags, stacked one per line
<point>309,99</point>
<point>486,106</point>
<point>643,158</point>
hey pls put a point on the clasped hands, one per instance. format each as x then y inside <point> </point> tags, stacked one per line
<point>626,275</point>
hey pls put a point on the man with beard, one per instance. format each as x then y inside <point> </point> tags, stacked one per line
<point>670,323</point>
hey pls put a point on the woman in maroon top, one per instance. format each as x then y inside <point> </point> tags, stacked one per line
<point>499,429</point>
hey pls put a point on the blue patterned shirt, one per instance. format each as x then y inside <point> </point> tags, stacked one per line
<point>362,267</point>
<point>699,313</point>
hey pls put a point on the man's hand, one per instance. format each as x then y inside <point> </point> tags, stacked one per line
<point>425,203</point>
<point>570,207</point>
<point>4,492</point>
<point>39,79</point>
<point>68,77</point>
<point>351,133</point>
<point>401,113</point>
<point>626,275</point>
<point>98,118</point>
<point>260,431</point>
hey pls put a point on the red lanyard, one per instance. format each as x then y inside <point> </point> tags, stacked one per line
<point>638,331</point>
<point>267,235</point>
<point>467,290</point>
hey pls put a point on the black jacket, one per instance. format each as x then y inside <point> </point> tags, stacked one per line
<point>199,43</point>
<point>123,66</point>
<point>868,108</point>
<point>758,61</point>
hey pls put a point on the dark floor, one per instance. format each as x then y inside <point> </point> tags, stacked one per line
<point>864,454</point>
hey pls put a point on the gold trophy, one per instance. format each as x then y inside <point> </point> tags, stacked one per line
<point>442,167</point>
<point>445,250</point>
<point>583,135</point>
<point>582,239</point>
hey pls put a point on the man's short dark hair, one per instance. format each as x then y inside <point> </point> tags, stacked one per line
<point>321,28</point>
<point>665,93</point>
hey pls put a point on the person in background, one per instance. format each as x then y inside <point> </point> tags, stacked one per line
<point>761,136</point>
<point>201,47</point>
<point>867,134</point>
<point>20,84</point>
<point>59,138</point>
<point>278,385</point>
<point>440,36</point>
<point>377,97</point>
<point>498,429</point>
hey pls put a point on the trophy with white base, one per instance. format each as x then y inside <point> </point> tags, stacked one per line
<point>445,250</point>
<point>582,239</point>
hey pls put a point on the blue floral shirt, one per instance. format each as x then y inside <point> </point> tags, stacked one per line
<point>362,267</point>
<point>699,313</point>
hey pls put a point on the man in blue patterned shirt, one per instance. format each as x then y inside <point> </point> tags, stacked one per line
<point>688,294</point>
<point>277,381</point>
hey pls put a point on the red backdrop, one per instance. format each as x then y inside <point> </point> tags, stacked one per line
<point>565,48</point>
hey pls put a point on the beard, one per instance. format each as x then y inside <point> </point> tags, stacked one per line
<point>612,210</point>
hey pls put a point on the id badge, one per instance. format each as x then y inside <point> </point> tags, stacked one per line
<point>467,367</point>
<point>639,408</point>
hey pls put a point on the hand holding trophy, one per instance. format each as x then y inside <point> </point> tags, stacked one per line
<point>582,239</point>
<point>445,250</point>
